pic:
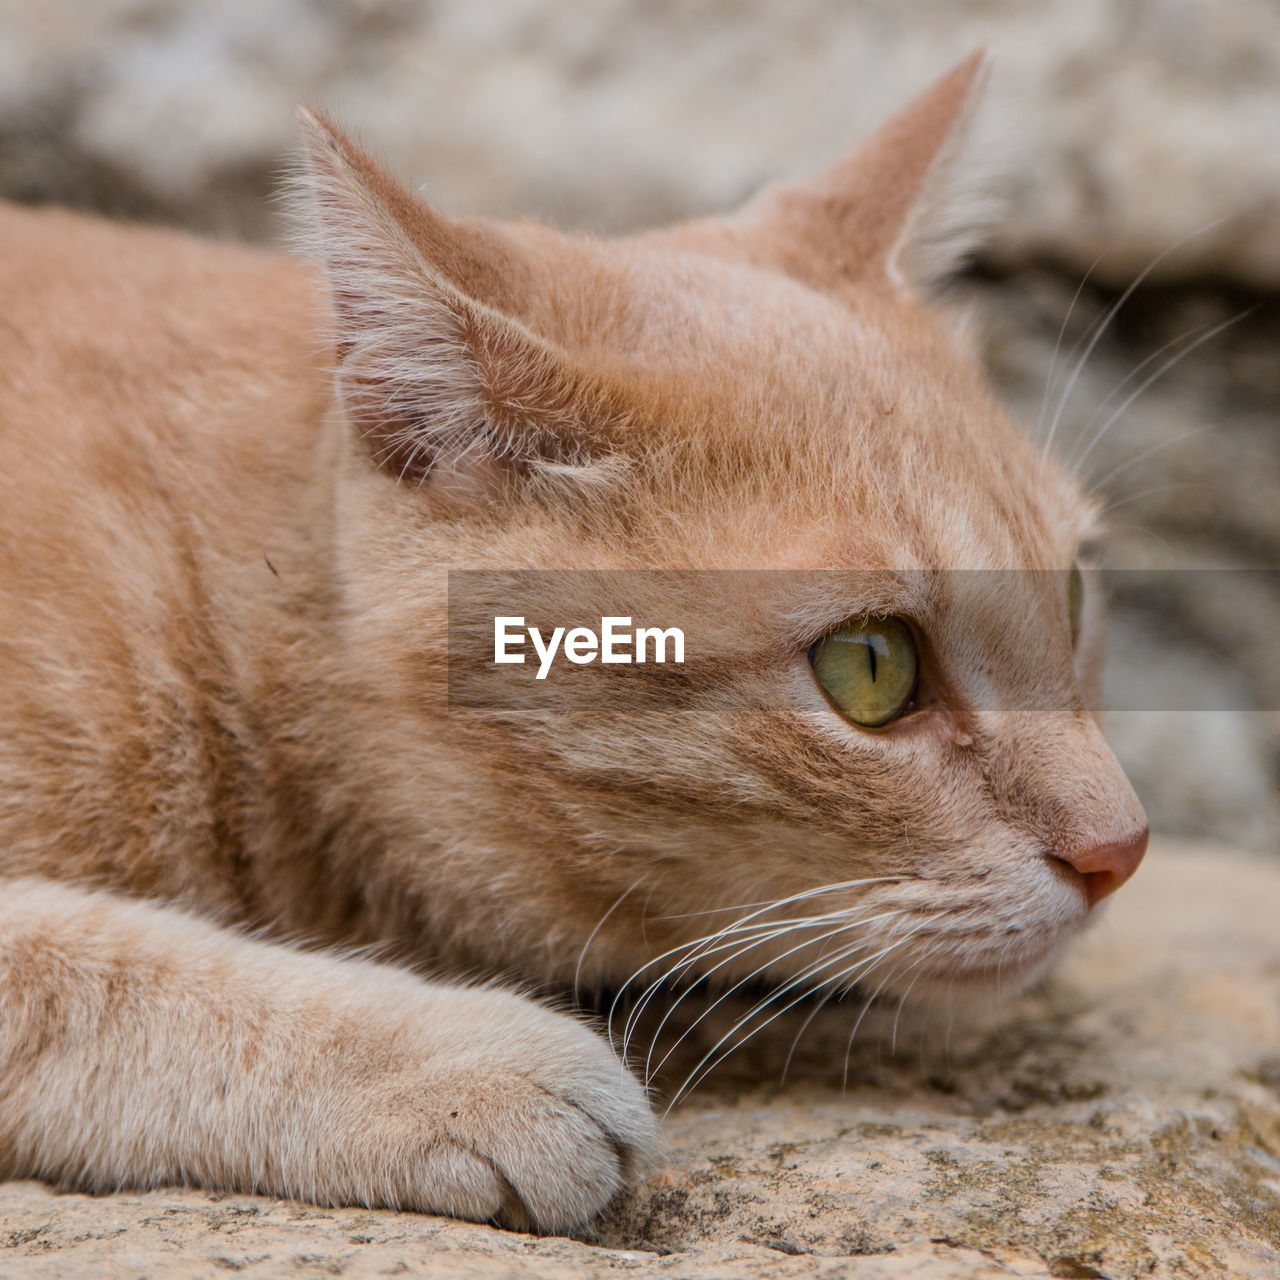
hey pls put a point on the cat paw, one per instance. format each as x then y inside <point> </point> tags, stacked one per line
<point>525,1118</point>
<point>555,1156</point>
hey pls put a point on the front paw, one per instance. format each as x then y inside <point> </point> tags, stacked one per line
<point>520,1116</point>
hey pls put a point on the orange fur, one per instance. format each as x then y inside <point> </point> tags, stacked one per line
<point>233,487</point>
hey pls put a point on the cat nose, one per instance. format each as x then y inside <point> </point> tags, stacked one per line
<point>1105,867</point>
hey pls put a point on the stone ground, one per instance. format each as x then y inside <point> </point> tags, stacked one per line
<point>1123,1122</point>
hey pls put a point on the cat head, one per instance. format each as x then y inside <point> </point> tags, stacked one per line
<point>768,391</point>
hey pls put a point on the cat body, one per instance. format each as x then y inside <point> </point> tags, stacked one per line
<point>233,487</point>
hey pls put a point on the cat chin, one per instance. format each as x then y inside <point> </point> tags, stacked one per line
<point>977,989</point>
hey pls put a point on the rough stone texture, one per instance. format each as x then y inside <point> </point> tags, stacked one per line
<point>1135,124</point>
<point>1124,1122</point>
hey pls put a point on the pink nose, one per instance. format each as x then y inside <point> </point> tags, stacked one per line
<point>1106,867</point>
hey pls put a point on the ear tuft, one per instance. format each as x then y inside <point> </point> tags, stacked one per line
<point>436,379</point>
<point>959,199</point>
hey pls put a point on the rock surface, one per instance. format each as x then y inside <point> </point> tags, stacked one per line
<point>1127,126</point>
<point>1124,1122</point>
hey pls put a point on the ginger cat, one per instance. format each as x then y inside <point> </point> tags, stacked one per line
<point>233,485</point>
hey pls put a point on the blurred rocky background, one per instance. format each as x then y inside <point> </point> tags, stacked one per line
<point>1139,141</point>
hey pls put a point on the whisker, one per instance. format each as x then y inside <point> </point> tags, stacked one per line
<point>806,942</point>
<point>1057,346</point>
<point>1131,375</point>
<point>1147,493</point>
<point>695,951</point>
<point>804,1026</point>
<point>818,1009</point>
<point>1109,478</point>
<point>650,1070</point>
<point>1143,531</point>
<point>1163,369</point>
<point>721,940</point>
<point>902,1000</point>
<point>773,933</point>
<point>693,948</point>
<point>866,1008</point>
<point>803,895</point>
<point>714,1057</point>
<point>736,952</point>
<point>1101,328</point>
<point>586,946</point>
<point>856,970</point>
<point>685,951</point>
<point>691,951</point>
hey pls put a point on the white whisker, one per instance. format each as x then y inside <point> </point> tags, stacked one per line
<point>902,999</point>
<point>714,1057</point>
<point>1102,327</point>
<point>695,951</point>
<point>768,933</point>
<point>1146,382</point>
<point>774,903</point>
<point>1147,493</point>
<point>1110,477</point>
<point>1057,346</point>
<point>800,946</point>
<point>736,949</point>
<point>586,946</point>
<point>1131,375</point>
<point>866,1007</point>
<point>698,948</point>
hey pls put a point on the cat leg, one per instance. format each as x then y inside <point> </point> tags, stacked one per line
<point>142,1046</point>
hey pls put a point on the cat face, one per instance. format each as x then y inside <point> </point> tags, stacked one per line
<point>761,420</point>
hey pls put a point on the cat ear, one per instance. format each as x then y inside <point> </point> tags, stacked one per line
<point>905,204</point>
<point>436,375</point>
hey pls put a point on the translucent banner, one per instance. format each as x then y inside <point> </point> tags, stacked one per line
<point>628,641</point>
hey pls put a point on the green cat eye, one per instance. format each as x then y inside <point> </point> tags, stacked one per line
<point>868,669</point>
<point>1075,599</point>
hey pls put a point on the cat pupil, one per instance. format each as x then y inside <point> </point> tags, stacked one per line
<point>871,658</point>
